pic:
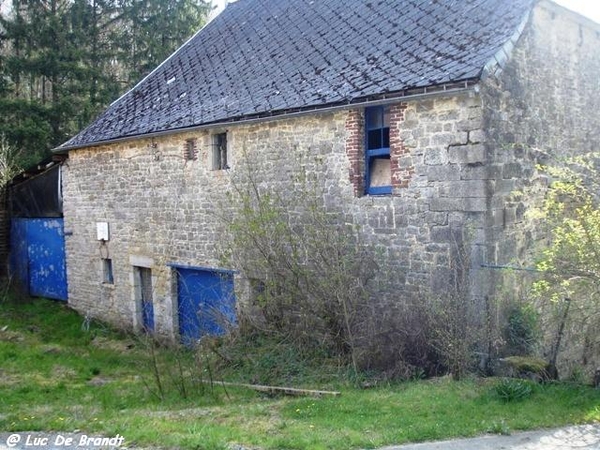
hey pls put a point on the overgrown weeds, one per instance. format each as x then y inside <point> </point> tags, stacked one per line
<point>174,370</point>
<point>307,276</point>
<point>311,281</point>
<point>59,376</point>
<point>254,357</point>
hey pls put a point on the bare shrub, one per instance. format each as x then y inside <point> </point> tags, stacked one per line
<point>9,166</point>
<point>456,318</point>
<point>312,280</point>
<point>307,272</point>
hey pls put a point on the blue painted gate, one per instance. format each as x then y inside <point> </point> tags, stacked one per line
<point>206,302</point>
<point>37,258</point>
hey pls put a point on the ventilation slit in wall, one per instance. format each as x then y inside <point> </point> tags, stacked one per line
<point>190,151</point>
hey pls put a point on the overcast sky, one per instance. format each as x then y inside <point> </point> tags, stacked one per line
<point>589,8</point>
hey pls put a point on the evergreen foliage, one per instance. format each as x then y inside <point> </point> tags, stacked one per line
<point>63,61</point>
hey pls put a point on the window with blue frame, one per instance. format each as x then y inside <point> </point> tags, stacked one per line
<point>378,170</point>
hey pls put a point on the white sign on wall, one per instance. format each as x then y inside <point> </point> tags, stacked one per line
<point>102,230</point>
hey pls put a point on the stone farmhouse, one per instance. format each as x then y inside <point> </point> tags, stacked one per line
<point>417,118</point>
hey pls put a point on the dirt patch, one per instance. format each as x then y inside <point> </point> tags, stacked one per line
<point>61,372</point>
<point>182,413</point>
<point>8,379</point>
<point>99,381</point>
<point>121,346</point>
<point>10,336</point>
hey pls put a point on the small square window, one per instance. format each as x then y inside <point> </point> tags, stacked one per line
<point>190,151</point>
<point>219,154</point>
<point>107,271</point>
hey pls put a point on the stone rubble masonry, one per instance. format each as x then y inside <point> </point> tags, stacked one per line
<point>402,169</point>
<point>165,208</point>
<point>456,162</point>
<point>544,106</point>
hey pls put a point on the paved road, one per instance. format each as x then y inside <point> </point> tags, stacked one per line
<point>584,437</point>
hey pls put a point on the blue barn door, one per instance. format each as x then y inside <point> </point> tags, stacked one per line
<point>38,256</point>
<point>206,302</point>
<point>19,256</point>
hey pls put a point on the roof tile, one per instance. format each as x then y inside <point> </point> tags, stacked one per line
<point>261,57</point>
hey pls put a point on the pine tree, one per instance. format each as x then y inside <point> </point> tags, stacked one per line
<point>23,121</point>
<point>153,29</point>
<point>63,61</point>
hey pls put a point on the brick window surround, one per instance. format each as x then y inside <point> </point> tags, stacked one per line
<point>355,143</point>
<point>401,173</point>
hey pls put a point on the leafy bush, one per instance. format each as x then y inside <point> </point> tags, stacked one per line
<point>522,329</point>
<point>527,364</point>
<point>568,290</point>
<point>511,390</point>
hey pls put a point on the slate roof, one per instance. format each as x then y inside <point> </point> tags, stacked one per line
<point>265,57</point>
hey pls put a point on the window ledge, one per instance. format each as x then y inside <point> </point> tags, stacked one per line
<point>380,190</point>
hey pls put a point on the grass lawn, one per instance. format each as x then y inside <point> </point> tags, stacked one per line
<point>59,374</point>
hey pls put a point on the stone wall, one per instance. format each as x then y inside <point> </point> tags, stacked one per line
<point>542,107</point>
<point>438,200</point>
<point>163,208</point>
<point>456,159</point>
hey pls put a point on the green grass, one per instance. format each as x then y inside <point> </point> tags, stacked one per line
<point>56,375</point>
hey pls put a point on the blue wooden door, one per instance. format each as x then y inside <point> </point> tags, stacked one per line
<point>19,256</point>
<point>38,256</point>
<point>206,303</point>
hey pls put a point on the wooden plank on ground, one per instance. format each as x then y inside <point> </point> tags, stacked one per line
<point>277,389</point>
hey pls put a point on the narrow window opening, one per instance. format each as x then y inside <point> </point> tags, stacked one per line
<point>377,148</point>
<point>143,296</point>
<point>219,157</point>
<point>107,271</point>
<point>190,151</point>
